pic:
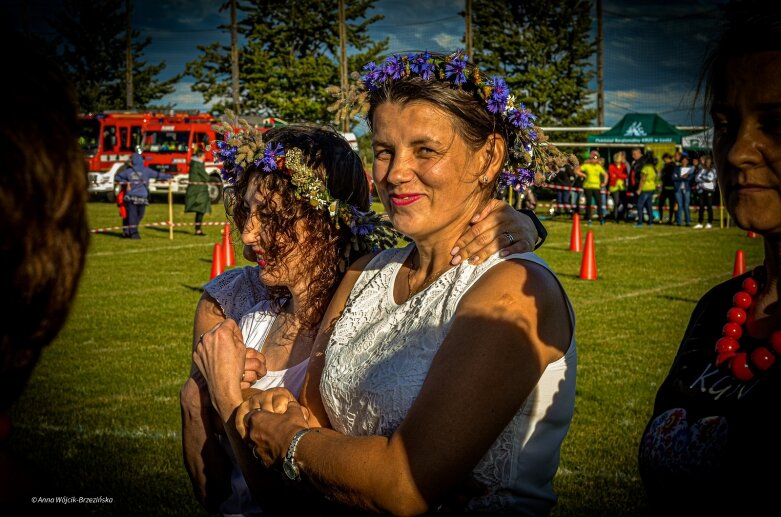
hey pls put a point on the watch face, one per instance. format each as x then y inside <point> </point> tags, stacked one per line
<point>291,471</point>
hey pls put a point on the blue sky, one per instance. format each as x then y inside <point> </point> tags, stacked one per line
<point>653,48</point>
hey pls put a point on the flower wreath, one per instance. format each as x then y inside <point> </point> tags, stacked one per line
<point>243,147</point>
<point>530,160</point>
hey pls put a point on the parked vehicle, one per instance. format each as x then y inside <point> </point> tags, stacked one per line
<point>168,145</point>
<point>109,138</point>
<point>166,141</point>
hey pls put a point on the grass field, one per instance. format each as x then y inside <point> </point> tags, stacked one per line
<point>100,416</point>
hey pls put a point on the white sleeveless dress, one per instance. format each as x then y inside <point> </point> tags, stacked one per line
<point>379,355</point>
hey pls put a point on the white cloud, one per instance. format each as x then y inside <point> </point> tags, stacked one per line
<point>184,98</point>
<point>448,41</point>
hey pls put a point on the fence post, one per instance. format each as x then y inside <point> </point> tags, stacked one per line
<point>170,211</point>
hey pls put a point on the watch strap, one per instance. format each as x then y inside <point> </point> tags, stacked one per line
<point>290,456</point>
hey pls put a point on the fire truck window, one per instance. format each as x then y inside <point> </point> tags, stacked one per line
<point>135,137</point>
<point>123,142</point>
<point>109,138</point>
<point>88,137</point>
<point>201,141</point>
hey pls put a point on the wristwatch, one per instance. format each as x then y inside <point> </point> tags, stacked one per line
<point>542,233</point>
<point>289,463</point>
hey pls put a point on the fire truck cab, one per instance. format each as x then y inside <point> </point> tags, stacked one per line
<point>168,144</point>
<point>107,139</point>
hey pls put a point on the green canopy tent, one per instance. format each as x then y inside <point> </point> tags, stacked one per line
<point>639,129</point>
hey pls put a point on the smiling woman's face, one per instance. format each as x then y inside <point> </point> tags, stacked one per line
<point>424,172</point>
<point>747,145</point>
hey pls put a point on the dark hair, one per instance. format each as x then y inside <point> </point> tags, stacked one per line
<point>467,109</point>
<point>43,195</point>
<point>750,26</point>
<point>328,249</point>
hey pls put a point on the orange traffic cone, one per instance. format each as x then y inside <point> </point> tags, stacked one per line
<point>588,266</point>
<point>740,264</point>
<point>227,247</point>
<point>574,240</point>
<point>752,235</point>
<point>217,261</point>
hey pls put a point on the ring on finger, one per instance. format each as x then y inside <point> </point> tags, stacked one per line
<point>242,376</point>
<point>510,238</point>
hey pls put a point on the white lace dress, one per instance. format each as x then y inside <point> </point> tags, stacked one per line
<point>379,355</point>
<point>244,298</point>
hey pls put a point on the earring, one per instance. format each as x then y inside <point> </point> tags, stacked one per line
<point>484,179</point>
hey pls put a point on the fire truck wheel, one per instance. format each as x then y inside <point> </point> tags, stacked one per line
<point>215,189</point>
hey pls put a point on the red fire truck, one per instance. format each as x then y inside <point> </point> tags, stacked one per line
<point>107,139</point>
<point>168,144</point>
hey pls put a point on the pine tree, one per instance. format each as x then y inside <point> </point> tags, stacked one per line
<point>290,57</point>
<point>91,42</point>
<point>543,49</point>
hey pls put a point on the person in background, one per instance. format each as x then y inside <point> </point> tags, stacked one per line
<point>667,194</point>
<point>617,174</point>
<point>196,198</point>
<point>696,163</point>
<point>576,194</point>
<point>633,179</point>
<point>136,177</point>
<point>682,178</point>
<point>594,181</point>
<point>44,237</point>
<point>705,180</point>
<point>646,189</point>
<point>385,374</point>
<point>120,201</point>
<point>707,448</point>
<point>563,182</point>
<point>603,191</point>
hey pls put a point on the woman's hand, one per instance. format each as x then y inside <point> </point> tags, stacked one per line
<point>273,400</point>
<point>220,357</point>
<point>254,367</point>
<point>489,231</point>
<point>268,433</point>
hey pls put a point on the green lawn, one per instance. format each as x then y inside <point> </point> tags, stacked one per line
<point>100,416</point>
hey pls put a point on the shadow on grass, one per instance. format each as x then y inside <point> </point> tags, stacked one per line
<point>677,298</point>
<point>134,472</point>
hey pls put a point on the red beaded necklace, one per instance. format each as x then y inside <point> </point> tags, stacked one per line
<point>743,365</point>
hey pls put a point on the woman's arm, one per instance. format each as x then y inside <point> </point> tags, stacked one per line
<point>518,315</point>
<point>205,460</point>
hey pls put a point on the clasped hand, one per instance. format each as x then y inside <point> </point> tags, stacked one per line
<point>267,421</point>
<point>227,365</point>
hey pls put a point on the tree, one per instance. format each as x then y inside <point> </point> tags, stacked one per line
<point>289,58</point>
<point>91,45</point>
<point>543,49</point>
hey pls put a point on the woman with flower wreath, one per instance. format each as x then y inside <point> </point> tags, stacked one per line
<point>300,197</point>
<point>710,447</point>
<point>429,377</point>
